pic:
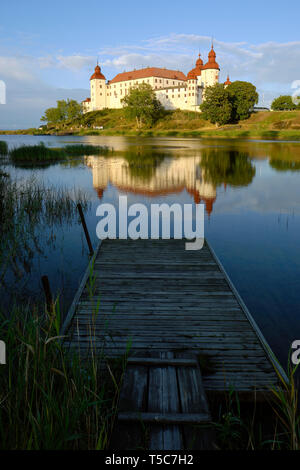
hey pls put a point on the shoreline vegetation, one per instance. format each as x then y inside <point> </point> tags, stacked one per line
<point>275,125</point>
<point>41,154</point>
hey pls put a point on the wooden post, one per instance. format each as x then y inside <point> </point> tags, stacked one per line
<point>47,290</point>
<point>87,236</point>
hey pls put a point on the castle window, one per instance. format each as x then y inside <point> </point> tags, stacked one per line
<point>156,80</point>
<point>167,82</point>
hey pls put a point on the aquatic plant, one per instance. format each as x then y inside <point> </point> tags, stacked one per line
<point>41,153</point>
<point>3,147</point>
<point>27,209</point>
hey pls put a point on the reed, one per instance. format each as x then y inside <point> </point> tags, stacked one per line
<point>3,148</point>
<point>41,153</point>
<point>28,208</point>
<point>51,398</point>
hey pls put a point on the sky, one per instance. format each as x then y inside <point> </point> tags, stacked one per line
<point>48,50</point>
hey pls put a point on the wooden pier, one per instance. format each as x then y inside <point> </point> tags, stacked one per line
<point>168,304</point>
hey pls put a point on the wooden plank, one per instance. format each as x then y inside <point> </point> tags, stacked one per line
<point>163,398</point>
<point>77,296</point>
<point>151,361</point>
<point>166,298</point>
<point>260,336</point>
<point>166,418</point>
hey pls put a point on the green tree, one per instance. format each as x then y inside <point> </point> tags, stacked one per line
<point>243,96</point>
<point>142,104</point>
<point>52,115</point>
<point>65,110</point>
<point>74,109</point>
<point>217,107</point>
<point>283,103</point>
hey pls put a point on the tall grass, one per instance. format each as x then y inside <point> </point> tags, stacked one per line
<point>3,147</point>
<point>51,398</point>
<point>27,209</point>
<point>285,406</point>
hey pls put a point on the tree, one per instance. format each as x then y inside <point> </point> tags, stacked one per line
<point>243,96</point>
<point>217,107</point>
<point>65,110</point>
<point>283,103</point>
<point>73,109</point>
<point>142,104</point>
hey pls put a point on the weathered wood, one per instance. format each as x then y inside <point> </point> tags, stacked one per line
<point>163,298</point>
<point>166,418</point>
<point>151,361</point>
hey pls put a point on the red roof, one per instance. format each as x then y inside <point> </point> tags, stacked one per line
<point>211,64</point>
<point>228,82</point>
<point>194,73</point>
<point>97,74</point>
<point>149,72</point>
<point>87,100</point>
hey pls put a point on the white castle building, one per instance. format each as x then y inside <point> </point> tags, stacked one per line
<point>172,88</point>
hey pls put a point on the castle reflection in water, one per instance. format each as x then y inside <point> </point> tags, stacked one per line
<point>172,175</point>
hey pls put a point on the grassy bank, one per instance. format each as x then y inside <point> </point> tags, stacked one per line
<point>279,125</point>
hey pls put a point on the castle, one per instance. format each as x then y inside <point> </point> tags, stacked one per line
<point>173,88</point>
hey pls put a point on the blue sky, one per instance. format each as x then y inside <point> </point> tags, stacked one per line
<point>48,49</point>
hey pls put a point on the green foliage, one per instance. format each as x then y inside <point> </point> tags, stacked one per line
<point>283,103</point>
<point>217,107</point>
<point>3,147</point>
<point>142,105</point>
<point>231,104</point>
<point>65,110</point>
<point>243,96</point>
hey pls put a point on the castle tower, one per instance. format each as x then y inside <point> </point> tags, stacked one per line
<point>98,90</point>
<point>228,82</point>
<point>194,90</point>
<point>210,72</point>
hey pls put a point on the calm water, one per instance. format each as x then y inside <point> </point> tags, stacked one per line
<point>252,196</point>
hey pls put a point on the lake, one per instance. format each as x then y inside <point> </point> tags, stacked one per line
<point>251,192</point>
